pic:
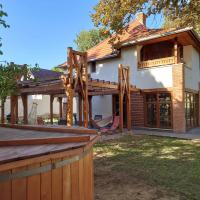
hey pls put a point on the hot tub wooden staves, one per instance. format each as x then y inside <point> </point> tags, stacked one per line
<point>46,166</point>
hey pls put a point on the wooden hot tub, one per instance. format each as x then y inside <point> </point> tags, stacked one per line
<point>53,165</point>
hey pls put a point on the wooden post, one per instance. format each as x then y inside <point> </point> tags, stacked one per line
<point>120,98</point>
<point>13,109</point>
<point>69,90</point>
<point>90,108</point>
<point>25,108</point>
<point>2,112</point>
<point>80,110</point>
<point>85,98</point>
<point>77,61</point>
<point>60,107</point>
<point>128,103</point>
<point>16,110</point>
<point>113,104</point>
<point>12,113</point>
<point>51,108</point>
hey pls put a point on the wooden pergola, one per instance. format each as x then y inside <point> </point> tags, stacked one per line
<point>77,82</point>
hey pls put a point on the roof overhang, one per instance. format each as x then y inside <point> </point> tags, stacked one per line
<point>114,55</point>
<point>185,36</point>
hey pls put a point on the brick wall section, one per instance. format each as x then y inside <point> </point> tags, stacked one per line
<point>179,124</point>
<point>137,110</point>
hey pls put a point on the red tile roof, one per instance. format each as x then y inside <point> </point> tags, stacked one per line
<point>135,32</point>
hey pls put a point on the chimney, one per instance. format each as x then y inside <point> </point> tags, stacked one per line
<point>141,17</point>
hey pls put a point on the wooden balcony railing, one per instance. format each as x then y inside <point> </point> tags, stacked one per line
<point>156,62</point>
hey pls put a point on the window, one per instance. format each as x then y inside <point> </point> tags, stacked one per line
<point>191,109</point>
<point>93,67</point>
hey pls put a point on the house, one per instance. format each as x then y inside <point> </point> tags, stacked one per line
<point>164,65</point>
<point>42,101</point>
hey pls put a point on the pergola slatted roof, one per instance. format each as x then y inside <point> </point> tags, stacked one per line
<point>95,87</point>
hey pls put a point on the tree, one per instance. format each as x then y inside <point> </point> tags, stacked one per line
<point>87,39</point>
<point>189,17</point>
<point>10,74</point>
<point>111,16</point>
<point>2,22</point>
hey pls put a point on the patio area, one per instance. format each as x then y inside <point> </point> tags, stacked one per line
<point>193,134</point>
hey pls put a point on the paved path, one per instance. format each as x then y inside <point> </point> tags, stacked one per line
<point>193,134</point>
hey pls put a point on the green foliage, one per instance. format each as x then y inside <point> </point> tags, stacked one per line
<point>111,16</point>
<point>188,17</point>
<point>10,75</point>
<point>56,69</point>
<point>2,22</point>
<point>87,39</point>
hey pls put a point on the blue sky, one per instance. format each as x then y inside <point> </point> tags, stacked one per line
<point>41,30</point>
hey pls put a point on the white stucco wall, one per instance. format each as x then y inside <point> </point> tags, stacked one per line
<point>158,77</point>
<point>192,69</point>
<point>43,107</point>
<point>102,105</point>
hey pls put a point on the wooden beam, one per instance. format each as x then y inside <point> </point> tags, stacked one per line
<point>58,129</point>
<point>103,85</point>
<point>121,97</point>
<point>103,92</point>
<point>51,108</point>
<point>90,108</point>
<point>80,110</point>
<point>25,108</point>
<point>42,141</point>
<point>128,100</point>
<point>40,89</point>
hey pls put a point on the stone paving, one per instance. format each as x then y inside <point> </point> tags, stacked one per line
<point>193,134</point>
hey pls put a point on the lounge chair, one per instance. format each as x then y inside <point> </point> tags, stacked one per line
<point>114,126</point>
<point>98,124</point>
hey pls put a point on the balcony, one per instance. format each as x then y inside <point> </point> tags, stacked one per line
<point>156,62</point>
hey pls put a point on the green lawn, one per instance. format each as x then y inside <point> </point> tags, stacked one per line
<point>165,162</point>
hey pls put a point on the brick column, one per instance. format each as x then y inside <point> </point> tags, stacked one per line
<point>178,73</point>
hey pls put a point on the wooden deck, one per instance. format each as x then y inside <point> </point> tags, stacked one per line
<point>12,152</point>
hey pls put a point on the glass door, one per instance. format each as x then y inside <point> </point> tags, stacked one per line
<point>151,110</point>
<point>158,110</point>
<point>165,110</point>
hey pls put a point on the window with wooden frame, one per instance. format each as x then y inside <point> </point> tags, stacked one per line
<point>158,110</point>
<point>191,109</point>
